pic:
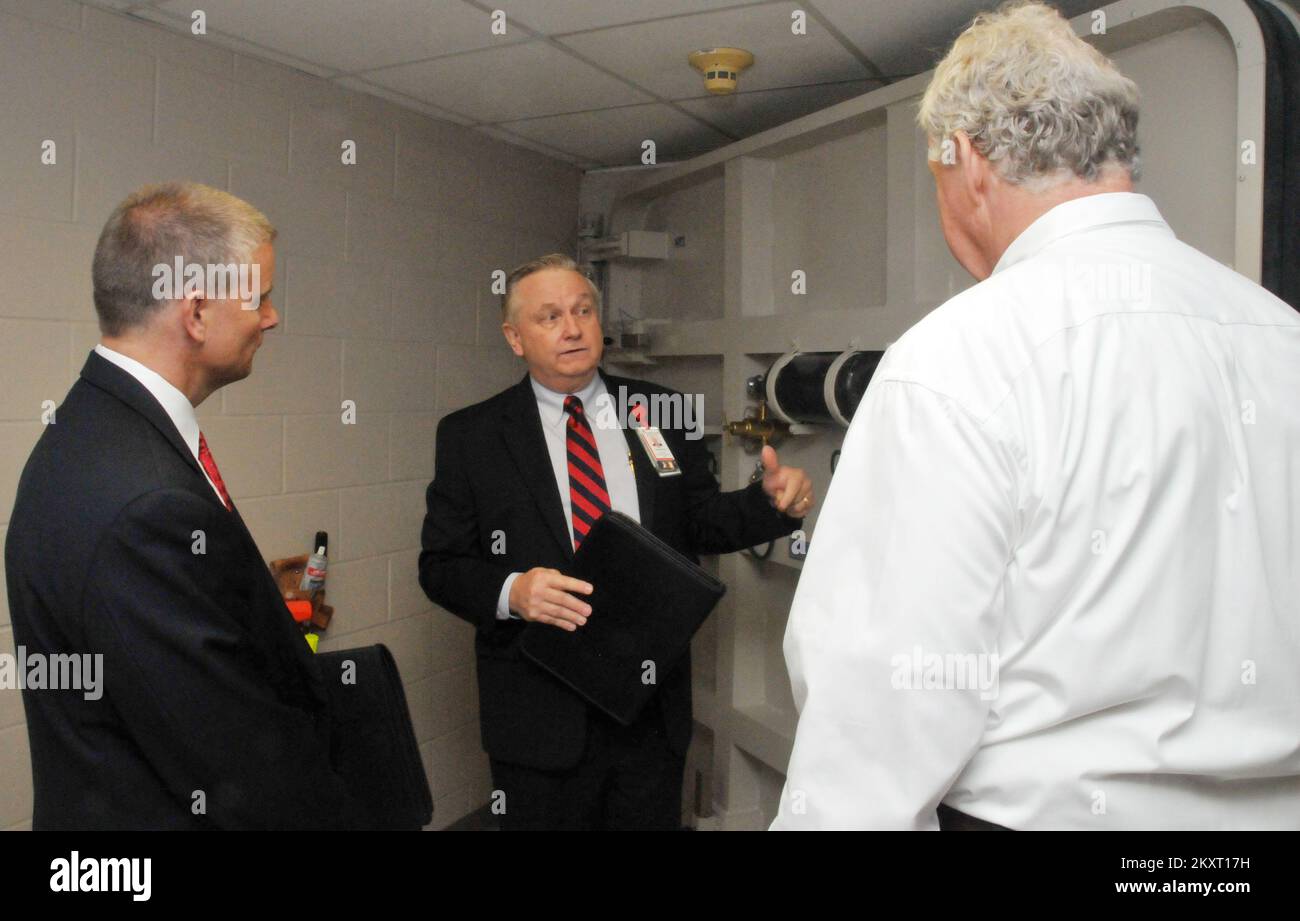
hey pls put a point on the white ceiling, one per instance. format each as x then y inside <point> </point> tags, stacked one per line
<point>588,80</point>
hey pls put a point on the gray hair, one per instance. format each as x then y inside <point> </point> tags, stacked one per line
<point>153,226</point>
<point>549,261</point>
<point>1036,100</point>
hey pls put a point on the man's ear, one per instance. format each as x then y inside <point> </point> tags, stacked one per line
<point>974,167</point>
<point>512,337</point>
<point>193,318</point>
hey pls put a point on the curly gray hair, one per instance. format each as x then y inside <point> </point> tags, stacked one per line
<point>1036,100</point>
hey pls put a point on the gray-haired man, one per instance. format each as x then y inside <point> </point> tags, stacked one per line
<point>1075,605</point>
<point>125,547</point>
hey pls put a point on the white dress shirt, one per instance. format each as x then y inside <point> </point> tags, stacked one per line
<point>1088,466</point>
<point>615,456</point>
<point>176,404</point>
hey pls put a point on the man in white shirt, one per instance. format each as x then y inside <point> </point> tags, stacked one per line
<point>1056,579</point>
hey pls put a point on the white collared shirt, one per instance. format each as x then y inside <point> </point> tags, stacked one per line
<point>615,456</point>
<point>1056,579</point>
<point>176,404</point>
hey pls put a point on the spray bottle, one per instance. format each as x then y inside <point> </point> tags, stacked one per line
<point>313,576</point>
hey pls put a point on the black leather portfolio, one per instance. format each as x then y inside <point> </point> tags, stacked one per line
<point>372,743</point>
<point>647,602</point>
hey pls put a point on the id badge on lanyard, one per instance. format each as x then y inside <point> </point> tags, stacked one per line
<point>656,448</point>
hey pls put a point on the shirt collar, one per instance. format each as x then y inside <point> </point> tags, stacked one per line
<point>174,403</point>
<point>1078,215</point>
<point>551,404</point>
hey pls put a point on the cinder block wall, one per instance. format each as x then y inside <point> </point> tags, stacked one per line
<point>382,284</point>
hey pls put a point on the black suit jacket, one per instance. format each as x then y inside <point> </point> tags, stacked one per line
<point>207,684</point>
<point>493,473</point>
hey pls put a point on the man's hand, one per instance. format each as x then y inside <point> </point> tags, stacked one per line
<point>543,595</point>
<point>788,488</point>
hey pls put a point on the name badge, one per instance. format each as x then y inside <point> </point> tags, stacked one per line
<point>661,456</point>
<point>656,448</point>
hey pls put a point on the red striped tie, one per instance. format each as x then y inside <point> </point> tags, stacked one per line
<point>210,465</point>
<point>588,497</point>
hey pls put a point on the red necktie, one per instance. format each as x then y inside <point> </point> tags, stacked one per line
<point>210,465</point>
<point>588,497</point>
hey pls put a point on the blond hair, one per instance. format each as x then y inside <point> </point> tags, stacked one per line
<point>1037,101</point>
<point>541,263</point>
<point>153,226</point>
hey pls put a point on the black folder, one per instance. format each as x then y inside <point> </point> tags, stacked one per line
<point>372,743</point>
<point>647,602</point>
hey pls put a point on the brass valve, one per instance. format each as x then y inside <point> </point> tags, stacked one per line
<point>758,425</point>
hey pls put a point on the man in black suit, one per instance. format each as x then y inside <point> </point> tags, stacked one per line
<point>124,547</point>
<point>519,480</point>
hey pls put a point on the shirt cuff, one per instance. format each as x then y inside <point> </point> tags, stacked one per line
<point>503,599</point>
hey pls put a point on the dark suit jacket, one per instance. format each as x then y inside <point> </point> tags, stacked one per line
<point>493,472</point>
<point>207,683</point>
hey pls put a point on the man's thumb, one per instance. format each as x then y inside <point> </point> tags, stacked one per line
<point>769,459</point>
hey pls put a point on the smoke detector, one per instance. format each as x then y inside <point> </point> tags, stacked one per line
<point>721,67</point>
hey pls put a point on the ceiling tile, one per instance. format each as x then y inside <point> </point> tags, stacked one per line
<point>556,16</point>
<point>901,38</point>
<point>654,54</point>
<point>439,57</point>
<point>529,144</point>
<point>907,38</point>
<point>517,81</point>
<point>351,36</point>
<point>401,99</point>
<point>744,114</point>
<point>613,137</point>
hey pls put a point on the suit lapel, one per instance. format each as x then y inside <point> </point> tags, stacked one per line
<point>527,446</point>
<point>108,377</point>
